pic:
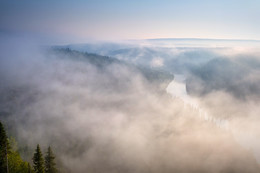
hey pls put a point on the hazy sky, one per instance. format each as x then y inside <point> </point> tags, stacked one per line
<point>131,19</point>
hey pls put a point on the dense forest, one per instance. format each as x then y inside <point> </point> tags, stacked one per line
<point>12,162</point>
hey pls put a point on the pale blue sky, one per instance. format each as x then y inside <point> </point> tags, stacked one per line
<point>132,19</point>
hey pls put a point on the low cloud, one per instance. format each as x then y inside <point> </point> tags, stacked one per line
<point>157,62</point>
<point>105,116</point>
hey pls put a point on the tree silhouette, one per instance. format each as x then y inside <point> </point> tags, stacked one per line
<point>50,165</point>
<point>38,162</point>
<point>4,150</point>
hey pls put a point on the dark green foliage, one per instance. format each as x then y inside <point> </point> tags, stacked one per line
<point>10,155</point>
<point>16,164</point>
<point>50,165</point>
<point>38,162</point>
<point>4,149</point>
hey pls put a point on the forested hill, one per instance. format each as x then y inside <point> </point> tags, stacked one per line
<point>156,76</point>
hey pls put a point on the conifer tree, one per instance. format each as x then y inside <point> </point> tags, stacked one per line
<point>38,162</point>
<point>4,150</point>
<point>50,165</point>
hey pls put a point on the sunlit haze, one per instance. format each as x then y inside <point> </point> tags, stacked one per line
<point>127,86</point>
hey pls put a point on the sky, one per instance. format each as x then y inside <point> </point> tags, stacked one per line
<point>81,20</point>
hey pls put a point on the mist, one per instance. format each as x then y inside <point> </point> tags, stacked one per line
<point>104,114</point>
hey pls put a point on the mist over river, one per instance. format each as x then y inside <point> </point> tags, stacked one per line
<point>177,89</point>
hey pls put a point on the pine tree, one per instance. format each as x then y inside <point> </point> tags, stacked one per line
<point>10,159</point>
<point>4,150</point>
<point>50,165</point>
<point>38,162</point>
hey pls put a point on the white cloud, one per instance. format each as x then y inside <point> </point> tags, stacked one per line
<point>157,62</point>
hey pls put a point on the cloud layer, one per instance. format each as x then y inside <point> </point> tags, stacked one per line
<point>102,115</point>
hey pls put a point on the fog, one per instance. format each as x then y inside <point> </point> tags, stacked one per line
<point>102,114</point>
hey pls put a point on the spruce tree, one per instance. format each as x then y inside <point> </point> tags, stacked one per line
<point>38,162</point>
<point>4,150</point>
<point>50,165</point>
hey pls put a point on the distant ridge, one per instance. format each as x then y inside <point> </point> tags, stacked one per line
<point>200,39</point>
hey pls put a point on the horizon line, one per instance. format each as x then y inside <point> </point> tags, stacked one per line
<point>201,39</point>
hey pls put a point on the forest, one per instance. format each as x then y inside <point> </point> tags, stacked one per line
<point>12,162</point>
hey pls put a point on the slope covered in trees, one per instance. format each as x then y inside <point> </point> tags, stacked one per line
<point>11,161</point>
